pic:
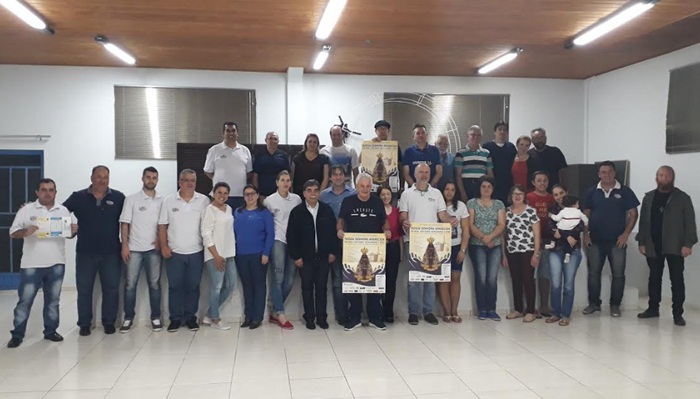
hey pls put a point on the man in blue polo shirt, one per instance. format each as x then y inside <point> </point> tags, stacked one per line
<point>421,152</point>
<point>97,209</point>
<point>612,212</point>
<point>268,164</point>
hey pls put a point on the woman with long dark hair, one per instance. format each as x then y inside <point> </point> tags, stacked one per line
<point>449,293</point>
<point>309,164</point>
<point>393,251</point>
<point>255,233</point>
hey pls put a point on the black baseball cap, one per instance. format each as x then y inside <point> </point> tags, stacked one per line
<point>382,123</point>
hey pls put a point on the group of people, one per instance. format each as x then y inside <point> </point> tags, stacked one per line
<point>504,202</point>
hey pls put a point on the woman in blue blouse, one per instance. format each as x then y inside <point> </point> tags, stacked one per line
<point>254,228</point>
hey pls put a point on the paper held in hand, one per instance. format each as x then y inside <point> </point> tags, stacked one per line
<point>53,227</point>
<point>364,258</point>
<point>429,252</point>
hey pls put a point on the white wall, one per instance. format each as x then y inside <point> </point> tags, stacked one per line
<point>75,105</point>
<point>626,119</point>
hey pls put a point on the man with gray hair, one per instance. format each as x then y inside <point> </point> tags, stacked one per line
<point>472,162</point>
<point>183,251</point>
<point>447,160</point>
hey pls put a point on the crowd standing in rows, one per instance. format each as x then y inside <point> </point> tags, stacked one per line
<point>505,203</point>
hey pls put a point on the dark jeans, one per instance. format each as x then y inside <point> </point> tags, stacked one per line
<point>252,274</point>
<point>314,288</point>
<point>522,275</point>
<point>393,258</point>
<point>597,253</point>
<point>471,186</point>
<point>50,280</point>
<point>676,265</point>
<point>374,308</point>
<point>151,261</point>
<point>340,304</point>
<point>184,275</point>
<point>86,268</point>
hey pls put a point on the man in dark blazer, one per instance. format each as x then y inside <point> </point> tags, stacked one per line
<point>312,243</point>
<point>667,232</point>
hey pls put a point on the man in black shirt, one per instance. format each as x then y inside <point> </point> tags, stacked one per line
<point>547,158</point>
<point>667,232</point>
<point>503,154</point>
<point>363,213</point>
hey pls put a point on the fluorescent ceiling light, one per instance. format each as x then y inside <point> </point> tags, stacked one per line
<point>614,21</point>
<point>330,17</point>
<point>117,51</point>
<point>505,58</point>
<point>24,13</point>
<point>321,58</point>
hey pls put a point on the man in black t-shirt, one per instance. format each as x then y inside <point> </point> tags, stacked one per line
<point>503,154</point>
<point>363,213</point>
<point>547,158</point>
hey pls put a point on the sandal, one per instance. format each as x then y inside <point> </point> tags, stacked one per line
<point>529,318</point>
<point>551,319</point>
<point>564,322</point>
<point>514,315</point>
<point>447,319</point>
<point>456,319</point>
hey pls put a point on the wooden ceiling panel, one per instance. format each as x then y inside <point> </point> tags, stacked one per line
<point>389,37</point>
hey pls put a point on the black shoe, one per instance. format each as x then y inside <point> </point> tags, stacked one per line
<point>590,309</point>
<point>413,320</point>
<point>109,330</point>
<point>54,337</point>
<point>431,319</point>
<point>679,320</point>
<point>255,324</point>
<point>310,325</point>
<point>174,326</point>
<point>192,325</point>
<point>85,331</point>
<point>648,314</point>
<point>14,342</point>
<point>323,324</point>
<point>350,326</point>
<point>342,320</point>
<point>389,319</point>
<point>246,323</point>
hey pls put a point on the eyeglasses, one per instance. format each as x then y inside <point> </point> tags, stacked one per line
<point>518,194</point>
<point>253,194</point>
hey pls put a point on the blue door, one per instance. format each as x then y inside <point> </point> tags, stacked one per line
<point>20,172</point>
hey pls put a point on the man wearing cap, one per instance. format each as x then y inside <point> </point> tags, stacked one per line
<point>230,162</point>
<point>382,129</point>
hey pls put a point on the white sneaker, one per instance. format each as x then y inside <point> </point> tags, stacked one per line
<point>220,325</point>
<point>126,326</point>
<point>156,325</point>
<point>206,321</point>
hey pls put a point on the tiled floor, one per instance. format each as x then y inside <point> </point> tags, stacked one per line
<point>595,357</point>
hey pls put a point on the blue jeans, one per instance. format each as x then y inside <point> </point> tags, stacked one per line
<point>416,290</point>
<point>486,262</point>
<point>252,273</point>
<point>50,280</point>
<point>184,275</point>
<point>597,253</point>
<point>282,276</point>
<point>561,306</point>
<point>340,304</point>
<point>152,262</point>
<point>222,284</point>
<point>86,268</point>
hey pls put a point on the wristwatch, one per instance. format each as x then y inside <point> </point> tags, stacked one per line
<point>463,250</point>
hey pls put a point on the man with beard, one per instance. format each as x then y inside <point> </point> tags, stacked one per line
<point>667,232</point>
<point>503,154</point>
<point>230,162</point>
<point>547,158</point>
<point>140,247</point>
<point>447,160</point>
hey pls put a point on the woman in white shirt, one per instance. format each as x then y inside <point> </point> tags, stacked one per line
<point>219,251</point>
<point>450,292</point>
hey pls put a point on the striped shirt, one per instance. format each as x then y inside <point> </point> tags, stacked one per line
<point>473,163</point>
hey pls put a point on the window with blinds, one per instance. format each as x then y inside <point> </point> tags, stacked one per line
<point>444,114</point>
<point>150,121</point>
<point>682,115</point>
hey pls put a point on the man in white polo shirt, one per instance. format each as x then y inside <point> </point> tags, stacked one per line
<point>282,271</point>
<point>421,204</point>
<point>139,230</point>
<point>42,265</point>
<point>230,162</point>
<point>183,251</point>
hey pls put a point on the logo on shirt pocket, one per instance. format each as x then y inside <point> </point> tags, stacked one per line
<point>142,208</point>
<point>223,157</point>
<point>110,202</point>
<point>176,209</point>
<point>617,196</point>
<point>432,199</point>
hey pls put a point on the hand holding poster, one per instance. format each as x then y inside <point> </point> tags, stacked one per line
<point>429,252</point>
<point>363,263</point>
<point>381,160</point>
<point>53,227</point>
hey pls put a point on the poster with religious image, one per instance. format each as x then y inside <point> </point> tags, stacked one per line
<point>363,263</point>
<point>429,252</point>
<point>381,160</point>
